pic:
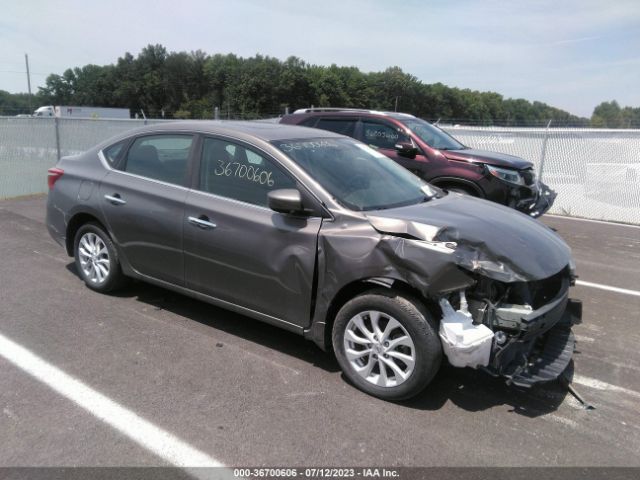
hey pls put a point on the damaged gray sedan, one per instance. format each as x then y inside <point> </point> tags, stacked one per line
<point>323,236</point>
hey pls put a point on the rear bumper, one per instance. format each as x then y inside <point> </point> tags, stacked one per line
<point>55,222</point>
<point>543,348</point>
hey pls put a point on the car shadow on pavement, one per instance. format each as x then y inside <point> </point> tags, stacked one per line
<point>474,391</point>
<point>468,389</point>
<point>233,323</point>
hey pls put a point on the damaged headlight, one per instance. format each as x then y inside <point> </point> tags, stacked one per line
<point>508,175</point>
<point>496,270</point>
<point>475,261</point>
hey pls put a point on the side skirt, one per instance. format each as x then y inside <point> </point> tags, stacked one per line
<point>222,303</point>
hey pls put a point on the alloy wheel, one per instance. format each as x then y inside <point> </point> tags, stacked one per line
<point>94,258</point>
<point>379,348</point>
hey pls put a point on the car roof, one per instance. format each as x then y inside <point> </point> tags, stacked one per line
<point>266,131</point>
<point>311,112</point>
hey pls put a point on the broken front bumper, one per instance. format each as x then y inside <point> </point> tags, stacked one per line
<point>543,348</point>
<point>540,203</point>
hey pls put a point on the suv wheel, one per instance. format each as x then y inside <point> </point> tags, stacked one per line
<point>96,258</point>
<point>462,190</point>
<point>387,344</point>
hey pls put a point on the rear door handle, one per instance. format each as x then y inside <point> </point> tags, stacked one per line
<point>115,199</point>
<point>202,222</point>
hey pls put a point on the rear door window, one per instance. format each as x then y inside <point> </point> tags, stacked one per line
<point>343,126</point>
<point>309,122</point>
<point>160,157</point>
<point>382,135</point>
<point>112,153</point>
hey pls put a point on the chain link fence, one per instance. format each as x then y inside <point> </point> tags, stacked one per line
<point>595,172</point>
<point>29,146</point>
<point>27,150</point>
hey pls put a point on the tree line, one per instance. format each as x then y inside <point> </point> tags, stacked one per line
<point>192,84</point>
<point>611,115</point>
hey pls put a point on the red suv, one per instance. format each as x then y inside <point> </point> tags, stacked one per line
<point>436,156</point>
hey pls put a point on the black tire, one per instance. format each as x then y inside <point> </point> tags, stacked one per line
<point>418,324</point>
<point>114,279</point>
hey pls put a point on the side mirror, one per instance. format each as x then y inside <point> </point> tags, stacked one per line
<point>406,149</point>
<point>285,200</point>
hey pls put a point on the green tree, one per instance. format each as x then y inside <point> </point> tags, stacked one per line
<point>19,103</point>
<point>608,115</point>
<point>193,84</point>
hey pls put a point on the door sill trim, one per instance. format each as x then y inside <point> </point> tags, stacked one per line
<point>278,322</point>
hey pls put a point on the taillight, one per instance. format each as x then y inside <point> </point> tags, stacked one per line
<point>54,175</point>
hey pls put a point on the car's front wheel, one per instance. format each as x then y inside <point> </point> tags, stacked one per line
<point>96,259</point>
<point>387,344</point>
<point>463,190</point>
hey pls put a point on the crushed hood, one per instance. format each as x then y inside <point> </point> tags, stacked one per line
<point>492,158</point>
<point>490,239</point>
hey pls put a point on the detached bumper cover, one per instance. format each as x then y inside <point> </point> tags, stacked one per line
<point>552,361</point>
<point>543,348</point>
<point>540,203</point>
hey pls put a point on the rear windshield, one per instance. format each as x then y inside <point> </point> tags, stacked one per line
<point>356,175</point>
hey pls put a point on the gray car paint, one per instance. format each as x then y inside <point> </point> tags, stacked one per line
<point>148,228</point>
<point>273,279</point>
<point>482,231</point>
<point>253,257</point>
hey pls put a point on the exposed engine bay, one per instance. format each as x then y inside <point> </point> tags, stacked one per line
<point>519,330</point>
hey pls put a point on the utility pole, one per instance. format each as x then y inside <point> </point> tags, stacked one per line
<point>26,59</point>
<point>396,107</point>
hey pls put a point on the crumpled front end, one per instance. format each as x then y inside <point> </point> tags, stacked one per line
<point>498,279</point>
<point>501,281</point>
<point>531,324</point>
<point>534,200</point>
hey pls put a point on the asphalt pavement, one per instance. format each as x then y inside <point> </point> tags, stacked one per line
<point>248,394</point>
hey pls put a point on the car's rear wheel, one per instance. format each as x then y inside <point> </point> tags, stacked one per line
<point>387,344</point>
<point>96,259</point>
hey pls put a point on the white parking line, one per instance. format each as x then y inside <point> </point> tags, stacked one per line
<point>600,385</point>
<point>589,220</point>
<point>160,442</point>
<point>608,288</point>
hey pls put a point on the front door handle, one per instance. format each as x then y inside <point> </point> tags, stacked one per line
<point>202,222</point>
<point>115,199</point>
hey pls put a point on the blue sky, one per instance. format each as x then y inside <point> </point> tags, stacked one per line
<point>570,54</point>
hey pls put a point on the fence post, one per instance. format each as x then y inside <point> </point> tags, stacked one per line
<point>544,151</point>
<point>56,123</point>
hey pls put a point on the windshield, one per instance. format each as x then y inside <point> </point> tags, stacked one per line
<point>432,135</point>
<point>356,175</point>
